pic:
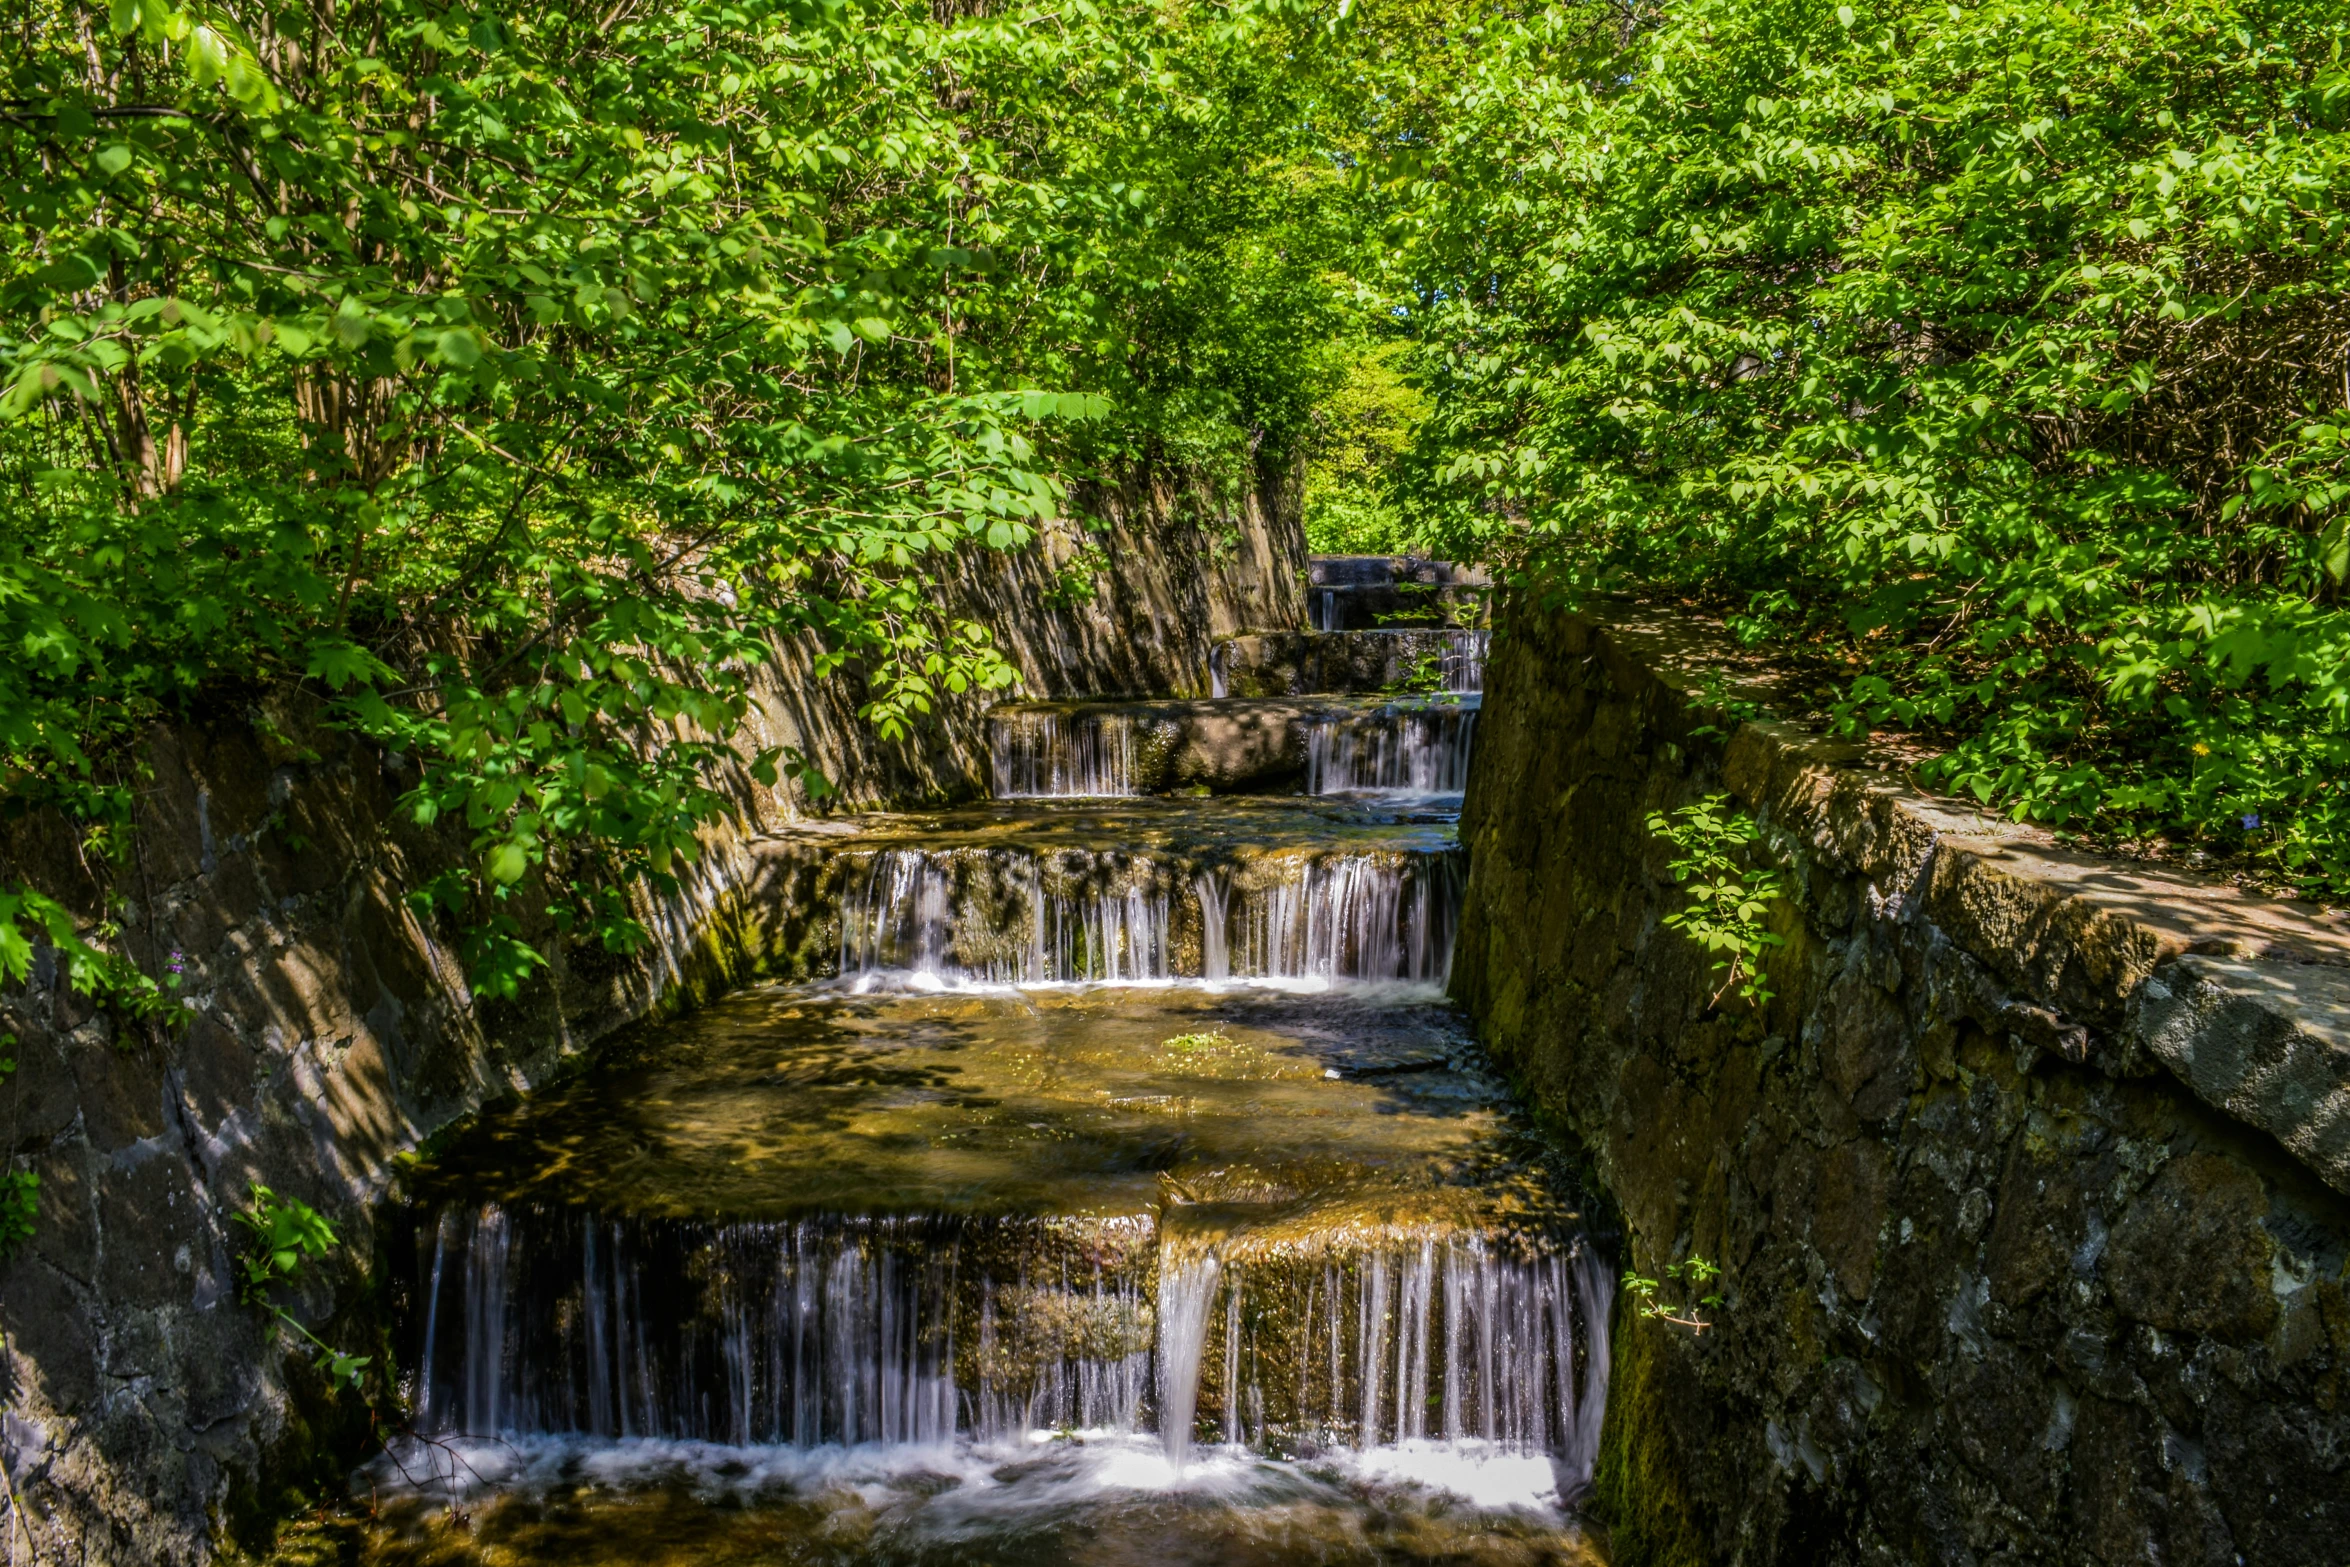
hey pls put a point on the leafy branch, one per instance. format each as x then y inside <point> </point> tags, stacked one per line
<point>286,1231</point>
<point>1693,1273</point>
<point>1727,898</point>
<point>20,1190</point>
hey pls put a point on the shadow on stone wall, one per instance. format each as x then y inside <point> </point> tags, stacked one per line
<point>2028,1185</point>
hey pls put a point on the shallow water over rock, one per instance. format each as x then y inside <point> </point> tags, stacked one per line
<point>1236,1243</point>
<point>1093,1104</point>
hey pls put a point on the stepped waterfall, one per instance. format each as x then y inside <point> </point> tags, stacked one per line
<point>1129,1152</point>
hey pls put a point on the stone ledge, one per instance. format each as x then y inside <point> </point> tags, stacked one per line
<point>1309,663</point>
<point>2246,999</point>
<point>1225,745</point>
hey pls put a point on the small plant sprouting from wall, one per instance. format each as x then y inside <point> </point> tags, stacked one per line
<point>20,1206</point>
<point>1692,1273</point>
<point>287,1231</point>
<point>1727,897</point>
<point>1077,584</point>
<point>20,1190</point>
<point>1424,676</point>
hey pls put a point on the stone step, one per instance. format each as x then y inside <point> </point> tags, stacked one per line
<point>1314,663</point>
<point>1050,892</point>
<point>1231,745</point>
<point>804,1218</point>
<point>1369,592</point>
<point>1358,571</point>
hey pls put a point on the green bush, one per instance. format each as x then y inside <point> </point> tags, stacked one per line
<point>1361,428</point>
<point>505,381</point>
<point>1994,350</point>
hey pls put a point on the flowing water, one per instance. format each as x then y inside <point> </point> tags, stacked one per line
<point>1129,1193</point>
<point>1404,748</point>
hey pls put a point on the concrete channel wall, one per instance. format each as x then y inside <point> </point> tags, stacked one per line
<point>2028,1186</point>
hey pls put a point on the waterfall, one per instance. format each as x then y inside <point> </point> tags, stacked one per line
<point>1357,916</point>
<point>839,1330</point>
<point>1398,749</point>
<point>443,1232</point>
<point>1463,659</point>
<point>1005,917</point>
<point>1371,1342</point>
<point>1595,1288</point>
<point>1298,1227</point>
<point>1215,919</point>
<point>1043,754</point>
<point>486,1297</point>
<point>900,918</point>
<point>1187,1287</point>
<point>931,918</point>
<point>922,1329</point>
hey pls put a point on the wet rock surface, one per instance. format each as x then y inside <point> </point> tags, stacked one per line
<point>1223,746</point>
<point>2025,1185</point>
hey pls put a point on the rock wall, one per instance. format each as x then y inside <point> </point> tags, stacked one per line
<point>2028,1186</point>
<point>144,1412</point>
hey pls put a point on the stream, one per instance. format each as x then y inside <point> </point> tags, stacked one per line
<point>1130,1193</point>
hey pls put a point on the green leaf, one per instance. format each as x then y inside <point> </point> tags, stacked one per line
<point>508,862</point>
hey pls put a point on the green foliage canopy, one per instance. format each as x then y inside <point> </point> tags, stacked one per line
<point>1362,429</point>
<point>1998,347</point>
<point>510,378</point>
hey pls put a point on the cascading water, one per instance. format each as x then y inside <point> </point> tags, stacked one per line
<point>963,917</point>
<point>1004,918</point>
<point>1351,917</point>
<point>1191,1230</point>
<point>839,1330</point>
<point>1010,1234</point>
<point>929,1328</point>
<point>1187,1287</point>
<point>1462,662</point>
<point>1415,749</point>
<point>1043,754</point>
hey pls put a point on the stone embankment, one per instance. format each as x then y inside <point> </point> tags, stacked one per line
<point>2028,1186</point>
<point>147,1414</point>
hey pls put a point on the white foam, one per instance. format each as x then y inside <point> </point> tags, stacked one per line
<point>1480,1473</point>
<point>1048,1471</point>
<point>886,982</point>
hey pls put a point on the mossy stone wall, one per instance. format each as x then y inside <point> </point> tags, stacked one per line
<point>2022,1263</point>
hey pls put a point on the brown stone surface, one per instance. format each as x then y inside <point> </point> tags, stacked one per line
<point>2027,1184</point>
